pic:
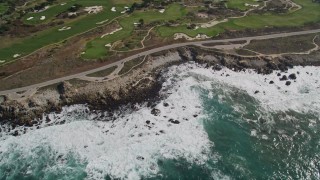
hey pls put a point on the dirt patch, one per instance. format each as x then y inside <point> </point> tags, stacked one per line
<point>130,65</point>
<point>244,52</point>
<point>103,73</point>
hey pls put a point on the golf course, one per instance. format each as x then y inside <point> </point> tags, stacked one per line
<point>165,23</point>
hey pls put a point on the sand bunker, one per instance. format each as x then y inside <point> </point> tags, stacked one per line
<point>93,9</point>
<point>72,14</point>
<point>41,10</point>
<point>126,9</point>
<point>42,18</point>
<point>108,45</point>
<point>162,10</point>
<point>29,18</point>
<point>184,36</point>
<point>16,55</point>
<point>62,4</point>
<point>2,61</point>
<point>212,23</point>
<point>111,32</point>
<point>64,28</point>
<point>113,9</point>
<point>251,5</point>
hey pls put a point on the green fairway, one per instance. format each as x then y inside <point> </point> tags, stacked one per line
<point>54,10</point>
<point>96,48</point>
<point>308,14</point>
<point>49,13</point>
<point>53,35</point>
<point>241,4</point>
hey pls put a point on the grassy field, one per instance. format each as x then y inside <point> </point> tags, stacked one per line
<point>3,8</point>
<point>103,73</point>
<point>125,1</point>
<point>129,65</point>
<point>283,45</point>
<point>49,14</point>
<point>308,14</point>
<point>96,48</point>
<point>49,36</point>
<point>241,4</point>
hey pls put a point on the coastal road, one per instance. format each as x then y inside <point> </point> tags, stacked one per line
<point>148,52</point>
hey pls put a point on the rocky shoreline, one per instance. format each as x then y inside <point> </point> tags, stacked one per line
<point>142,84</point>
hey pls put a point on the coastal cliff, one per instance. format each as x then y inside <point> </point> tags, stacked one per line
<point>141,84</point>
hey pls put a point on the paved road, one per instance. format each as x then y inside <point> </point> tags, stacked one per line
<point>148,52</point>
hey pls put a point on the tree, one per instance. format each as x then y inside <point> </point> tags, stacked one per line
<point>141,22</point>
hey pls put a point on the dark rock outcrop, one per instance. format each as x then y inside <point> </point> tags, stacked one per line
<point>284,78</point>
<point>292,76</point>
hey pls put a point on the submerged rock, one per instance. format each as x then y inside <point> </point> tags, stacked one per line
<point>217,67</point>
<point>284,78</point>
<point>174,121</point>
<point>288,83</point>
<point>140,158</point>
<point>292,76</point>
<point>155,112</point>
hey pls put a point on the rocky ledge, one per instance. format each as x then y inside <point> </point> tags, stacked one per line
<point>141,84</point>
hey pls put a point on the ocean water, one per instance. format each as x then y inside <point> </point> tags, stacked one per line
<point>210,125</point>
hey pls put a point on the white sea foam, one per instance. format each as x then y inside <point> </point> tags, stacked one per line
<point>131,146</point>
<point>301,96</point>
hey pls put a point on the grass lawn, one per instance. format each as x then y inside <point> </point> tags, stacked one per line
<point>49,13</point>
<point>125,1</point>
<point>309,13</point>
<point>96,48</point>
<point>52,35</point>
<point>240,4</point>
<point>56,9</point>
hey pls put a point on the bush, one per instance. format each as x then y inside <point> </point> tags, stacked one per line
<point>3,28</point>
<point>74,8</point>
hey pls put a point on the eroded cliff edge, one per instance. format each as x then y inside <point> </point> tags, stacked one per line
<point>140,84</point>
